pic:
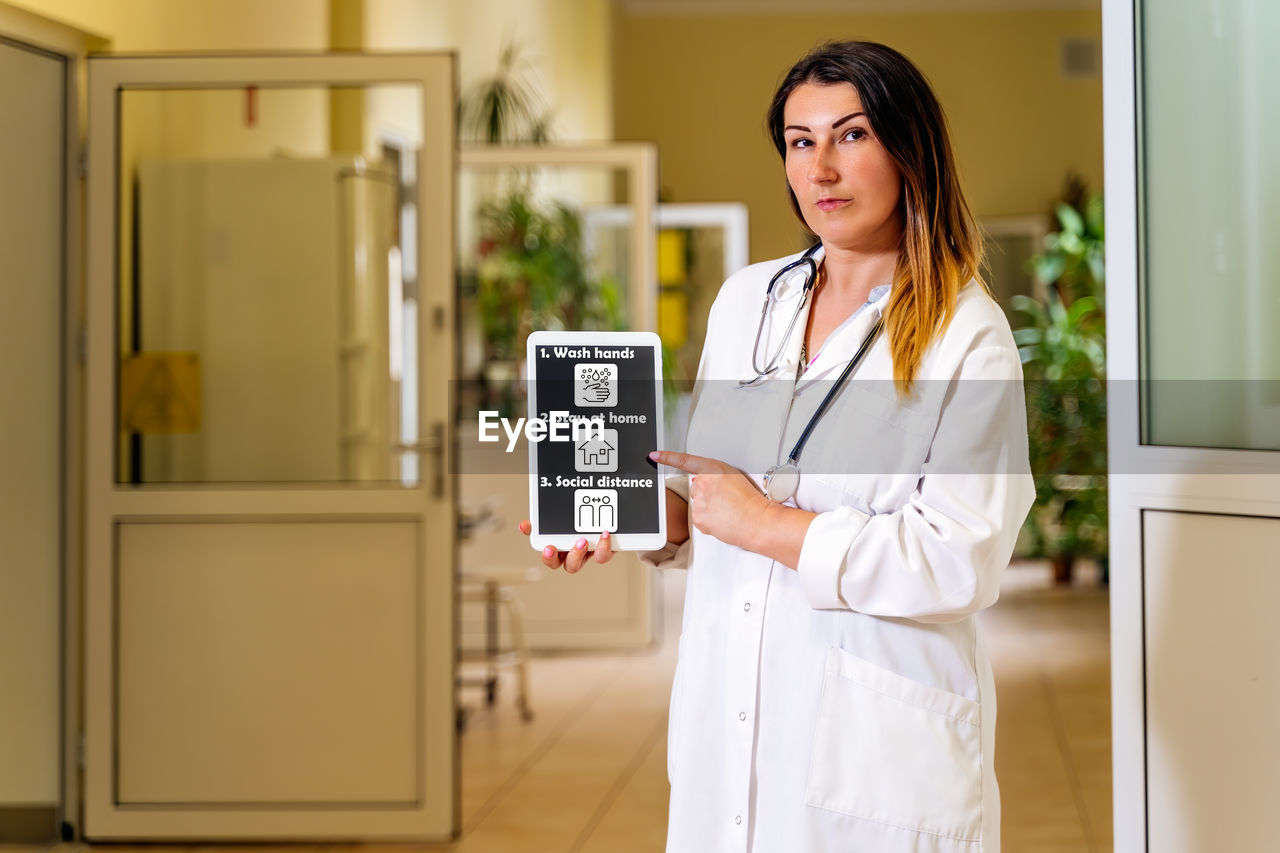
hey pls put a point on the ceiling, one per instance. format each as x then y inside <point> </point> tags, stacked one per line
<point>780,7</point>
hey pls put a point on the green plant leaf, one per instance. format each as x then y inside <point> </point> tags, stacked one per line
<point>1049,266</point>
<point>1028,336</point>
<point>1094,211</point>
<point>1027,305</point>
<point>1080,310</point>
<point>1069,217</point>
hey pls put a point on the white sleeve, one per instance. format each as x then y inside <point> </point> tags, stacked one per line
<point>672,556</point>
<point>939,558</point>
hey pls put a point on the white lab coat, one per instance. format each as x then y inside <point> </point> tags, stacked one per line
<point>849,705</point>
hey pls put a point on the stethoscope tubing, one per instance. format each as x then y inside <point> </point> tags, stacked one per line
<point>782,481</point>
<point>794,456</point>
<point>810,279</point>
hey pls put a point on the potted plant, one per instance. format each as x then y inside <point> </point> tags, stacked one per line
<point>532,274</point>
<point>531,270</point>
<point>503,108</point>
<point>1063,349</point>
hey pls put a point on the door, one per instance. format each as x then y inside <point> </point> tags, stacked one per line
<point>1193,204</point>
<point>269,557</point>
<point>32,252</point>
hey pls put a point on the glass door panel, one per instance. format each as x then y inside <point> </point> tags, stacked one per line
<point>262,287</point>
<point>1209,205</point>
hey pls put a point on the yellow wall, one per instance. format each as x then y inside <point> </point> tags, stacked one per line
<point>565,45</point>
<point>173,25</point>
<point>699,86</point>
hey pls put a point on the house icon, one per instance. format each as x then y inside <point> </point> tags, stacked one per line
<point>596,452</point>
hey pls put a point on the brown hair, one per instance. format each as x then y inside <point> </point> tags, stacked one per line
<point>941,246</point>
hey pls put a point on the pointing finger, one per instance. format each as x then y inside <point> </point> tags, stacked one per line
<point>685,461</point>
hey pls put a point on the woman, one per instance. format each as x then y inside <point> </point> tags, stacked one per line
<point>832,690</point>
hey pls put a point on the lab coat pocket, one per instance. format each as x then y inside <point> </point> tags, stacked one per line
<point>897,752</point>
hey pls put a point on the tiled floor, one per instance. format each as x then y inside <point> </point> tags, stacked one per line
<point>589,772</point>
<point>1050,650</point>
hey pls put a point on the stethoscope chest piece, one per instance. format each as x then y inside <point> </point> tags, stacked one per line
<point>781,482</point>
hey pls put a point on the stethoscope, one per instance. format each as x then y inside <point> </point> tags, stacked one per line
<point>783,480</point>
<point>810,279</point>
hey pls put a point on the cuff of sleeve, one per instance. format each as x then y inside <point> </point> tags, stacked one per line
<point>823,555</point>
<point>669,556</point>
<point>678,482</point>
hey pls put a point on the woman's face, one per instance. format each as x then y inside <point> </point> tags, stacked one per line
<point>847,186</point>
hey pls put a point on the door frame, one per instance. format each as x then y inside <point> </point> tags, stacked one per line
<point>436,813</point>
<point>1145,477</point>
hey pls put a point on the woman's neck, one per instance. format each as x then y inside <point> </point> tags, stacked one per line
<point>853,274</point>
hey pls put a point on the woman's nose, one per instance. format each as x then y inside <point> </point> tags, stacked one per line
<point>821,169</point>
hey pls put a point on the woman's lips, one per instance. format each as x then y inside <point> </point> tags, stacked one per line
<point>829,204</point>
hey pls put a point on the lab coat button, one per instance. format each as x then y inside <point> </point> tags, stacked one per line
<point>738,819</point>
<point>747,607</point>
<point>742,715</point>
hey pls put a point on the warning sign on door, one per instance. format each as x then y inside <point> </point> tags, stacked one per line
<point>160,392</point>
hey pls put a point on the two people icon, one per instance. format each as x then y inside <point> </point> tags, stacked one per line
<point>595,510</point>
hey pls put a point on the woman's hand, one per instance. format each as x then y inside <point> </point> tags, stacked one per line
<point>723,501</point>
<point>574,559</point>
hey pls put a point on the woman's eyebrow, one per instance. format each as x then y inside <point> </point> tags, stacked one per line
<point>846,118</point>
<point>837,123</point>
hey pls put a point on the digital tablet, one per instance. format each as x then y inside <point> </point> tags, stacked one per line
<point>595,413</point>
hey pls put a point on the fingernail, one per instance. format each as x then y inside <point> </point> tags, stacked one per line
<point>653,454</point>
<point>580,544</point>
<point>548,551</point>
<point>604,535</point>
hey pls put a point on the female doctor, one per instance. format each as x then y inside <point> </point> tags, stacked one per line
<point>856,476</point>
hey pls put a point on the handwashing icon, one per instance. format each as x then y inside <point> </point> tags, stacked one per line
<point>595,385</point>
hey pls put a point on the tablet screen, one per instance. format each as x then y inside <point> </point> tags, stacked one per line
<point>601,395</point>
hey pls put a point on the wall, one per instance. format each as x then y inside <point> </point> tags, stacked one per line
<point>565,44</point>
<point>167,26</point>
<point>699,86</point>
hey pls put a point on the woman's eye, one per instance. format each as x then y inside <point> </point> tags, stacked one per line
<point>855,133</point>
<point>800,142</point>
